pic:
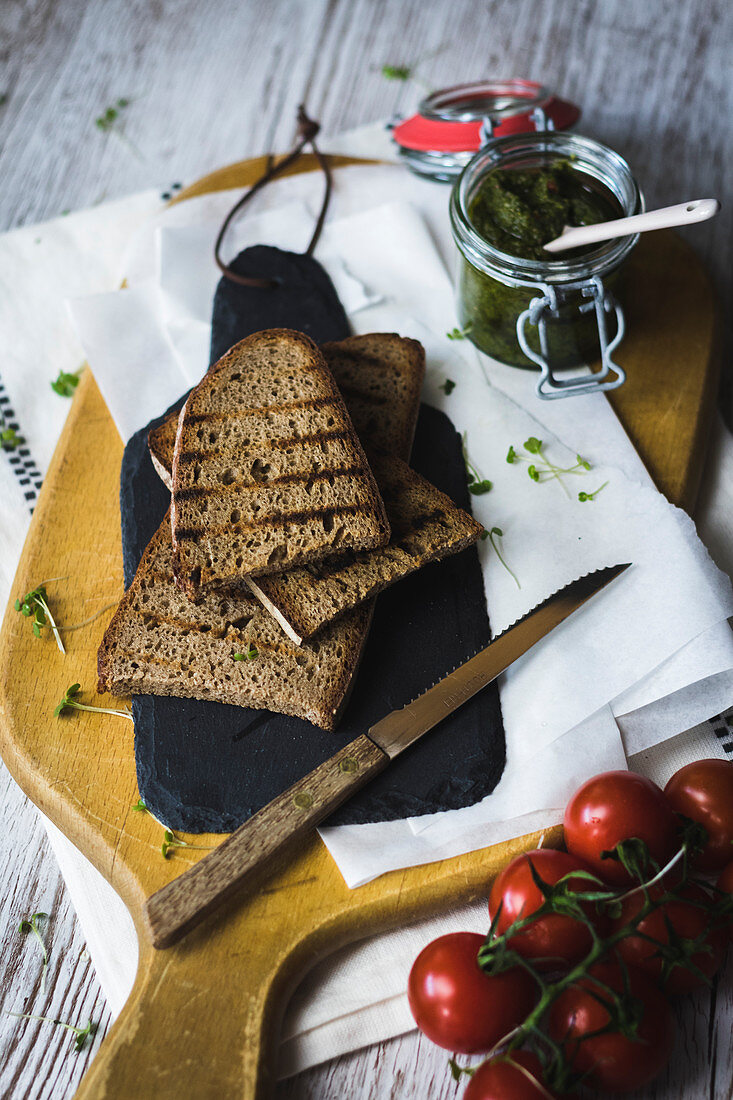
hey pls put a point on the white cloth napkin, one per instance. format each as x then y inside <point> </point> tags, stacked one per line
<point>356,997</point>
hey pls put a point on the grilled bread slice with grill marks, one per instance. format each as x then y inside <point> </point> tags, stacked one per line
<point>380,376</point>
<point>161,643</point>
<point>426,526</point>
<point>268,471</point>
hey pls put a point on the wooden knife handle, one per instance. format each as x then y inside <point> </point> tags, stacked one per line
<point>175,909</point>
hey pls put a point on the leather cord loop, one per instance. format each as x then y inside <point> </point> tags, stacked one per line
<point>307,130</point>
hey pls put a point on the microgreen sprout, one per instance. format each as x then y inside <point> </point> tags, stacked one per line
<point>81,1034</point>
<point>459,333</point>
<point>403,73</point>
<point>109,123</point>
<point>593,495</point>
<point>543,468</point>
<point>396,72</point>
<point>9,438</point>
<point>250,653</point>
<point>35,604</point>
<point>70,702</point>
<point>448,386</point>
<point>66,382</point>
<point>108,118</point>
<point>30,925</point>
<point>171,841</point>
<point>476,484</point>
<point>494,534</point>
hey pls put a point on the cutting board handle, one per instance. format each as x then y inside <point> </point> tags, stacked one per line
<point>188,1032</point>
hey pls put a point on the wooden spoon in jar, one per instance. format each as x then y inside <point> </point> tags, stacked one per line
<point>684,213</point>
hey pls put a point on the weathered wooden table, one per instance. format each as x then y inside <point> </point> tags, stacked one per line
<point>211,81</point>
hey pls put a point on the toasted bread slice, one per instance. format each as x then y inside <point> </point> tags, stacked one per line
<point>426,526</point>
<point>268,471</point>
<point>160,643</point>
<point>380,376</point>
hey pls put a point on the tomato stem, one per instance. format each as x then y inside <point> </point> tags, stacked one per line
<point>644,886</point>
<point>496,956</point>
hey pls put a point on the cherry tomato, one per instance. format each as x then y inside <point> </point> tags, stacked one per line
<point>725,882</point>
<point>612,1061</point>
<point>499,1079</point>
<point>456,1004</point>
<point>703,791</point>
<point>686,921</point>
<point>551,940</point>
<point>616,806</point>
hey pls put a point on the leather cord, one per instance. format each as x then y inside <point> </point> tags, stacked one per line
<point>307,131</point>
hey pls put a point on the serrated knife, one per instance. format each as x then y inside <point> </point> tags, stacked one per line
<point>175,909</point>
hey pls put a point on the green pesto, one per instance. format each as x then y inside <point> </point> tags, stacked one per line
<point>491,308</point>
<point>519,211</point>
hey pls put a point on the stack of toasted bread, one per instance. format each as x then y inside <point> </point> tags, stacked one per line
<point>292,507</point>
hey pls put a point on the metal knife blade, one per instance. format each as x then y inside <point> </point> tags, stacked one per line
<point>402,728</point>
<point>178,907</point>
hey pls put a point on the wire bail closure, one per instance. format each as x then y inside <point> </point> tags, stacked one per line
<point>539,117</point>
<point>549,387</point>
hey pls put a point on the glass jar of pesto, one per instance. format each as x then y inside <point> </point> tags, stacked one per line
<point>533,309</point>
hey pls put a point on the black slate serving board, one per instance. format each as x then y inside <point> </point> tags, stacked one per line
<point>206,767</point>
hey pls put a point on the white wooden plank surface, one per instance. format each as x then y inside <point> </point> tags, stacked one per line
<point>211,81</point>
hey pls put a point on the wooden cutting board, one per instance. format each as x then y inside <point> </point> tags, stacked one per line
<point>203,1018</point>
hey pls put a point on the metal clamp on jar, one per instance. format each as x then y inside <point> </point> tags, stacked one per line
<point>544,312</point>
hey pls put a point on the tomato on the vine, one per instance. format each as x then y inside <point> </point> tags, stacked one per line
<point>703,791</point>
<point>456,1004</point>
<point>616,806</point>
<point>500,1079</point>
<point>552,940</point>
<point>686,921</point>
<point>611,1060</point>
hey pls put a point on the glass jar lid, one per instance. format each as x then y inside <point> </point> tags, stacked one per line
<point>452,124</point>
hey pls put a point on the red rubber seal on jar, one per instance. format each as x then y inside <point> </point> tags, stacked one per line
<point>437,135</point>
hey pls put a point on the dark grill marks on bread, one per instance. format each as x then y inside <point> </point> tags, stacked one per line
<point>276,519</point>
<point>161,643</point>
<point>283,479</point>
<point>380,375</point>
<point>426,526</point>
<point>268,409</point>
